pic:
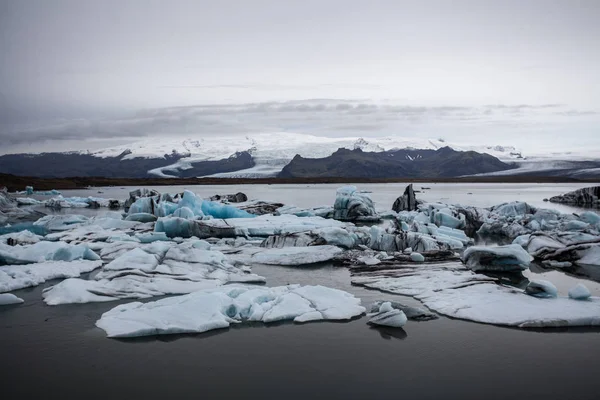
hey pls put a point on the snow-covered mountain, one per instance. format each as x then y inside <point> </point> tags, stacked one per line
<point>266,154</point>
<point>272,152</point>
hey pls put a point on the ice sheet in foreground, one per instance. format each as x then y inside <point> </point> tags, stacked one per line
<point>218,308</point>
<point>452,290</point>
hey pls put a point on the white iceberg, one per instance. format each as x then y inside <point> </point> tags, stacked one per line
<point>388,316</point>
<point>218,308</point>
<point>579,292</point>
<point>352,205</point>
<point>541,288</point>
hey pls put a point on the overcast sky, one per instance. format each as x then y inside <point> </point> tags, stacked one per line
<point>78,69</point>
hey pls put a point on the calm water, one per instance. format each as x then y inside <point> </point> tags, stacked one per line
<point>57,351</point>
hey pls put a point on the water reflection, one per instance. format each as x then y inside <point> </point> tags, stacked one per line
<point>389,333</point>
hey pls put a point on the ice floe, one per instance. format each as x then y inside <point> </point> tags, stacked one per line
<point>154,269</point>
<point>452,290</point>
<point>218,308</point>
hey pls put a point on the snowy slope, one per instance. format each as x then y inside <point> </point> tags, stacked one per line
<point>271,152</point>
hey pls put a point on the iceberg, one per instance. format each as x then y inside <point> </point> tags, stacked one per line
<point>352,205</point>
<point>541,288</point>
<point>579,292</point>
<point>412,313</point>
<point>501,258</point>
<point>8,298</point>
<point>211,309</point>
<point>388,316</point>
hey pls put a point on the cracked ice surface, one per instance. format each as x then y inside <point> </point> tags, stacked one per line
<point>13,277</point>
<point>210,309</point>
<point>452,290</point>
<point>156,269</point>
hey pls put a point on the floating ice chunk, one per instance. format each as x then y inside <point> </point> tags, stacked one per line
<point>541,288</point>
<point>217,308</point>
<point>388,316</point>
<point>45,251</point>
<point>13,277</point>
<point>411,312</point>
<point>351,205</point>
<point>9,298</point>
<point>417,257</point>
<point>297,255</point>
<point>29,190</point>
<point>579,292</point>
<point>501,258</point>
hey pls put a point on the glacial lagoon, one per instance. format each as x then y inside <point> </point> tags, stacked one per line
<point>60,349</point>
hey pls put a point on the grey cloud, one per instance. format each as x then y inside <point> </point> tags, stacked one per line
<point>316,116</point>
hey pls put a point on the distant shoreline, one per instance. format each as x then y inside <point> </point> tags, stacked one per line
<point>15,183</point>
